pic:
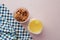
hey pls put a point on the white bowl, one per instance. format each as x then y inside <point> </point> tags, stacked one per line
<point>35,32</point>
<point>28,16</point>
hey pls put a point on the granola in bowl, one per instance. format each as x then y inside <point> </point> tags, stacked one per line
<point>21,15</point>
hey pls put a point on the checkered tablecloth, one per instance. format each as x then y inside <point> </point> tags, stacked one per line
<point>10,29</point>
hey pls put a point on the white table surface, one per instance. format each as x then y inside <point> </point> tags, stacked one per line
<point>48,11</point>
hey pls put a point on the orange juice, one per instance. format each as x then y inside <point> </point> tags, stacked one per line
<point>35,26</point>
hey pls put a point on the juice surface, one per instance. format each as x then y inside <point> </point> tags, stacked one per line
<point>35,26</point>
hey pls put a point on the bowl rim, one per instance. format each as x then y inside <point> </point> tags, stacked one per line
<point>28,14</point>
<point>35,32</point>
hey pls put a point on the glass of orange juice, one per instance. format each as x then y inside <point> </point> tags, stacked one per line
<point>35,26</point>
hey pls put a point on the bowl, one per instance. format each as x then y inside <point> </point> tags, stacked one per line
<point>22,15</point>
<point>35,26</point>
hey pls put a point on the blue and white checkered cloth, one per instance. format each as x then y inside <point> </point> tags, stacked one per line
<point>10,29</point>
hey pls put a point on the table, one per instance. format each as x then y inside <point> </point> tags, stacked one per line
<point>48,11</point>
